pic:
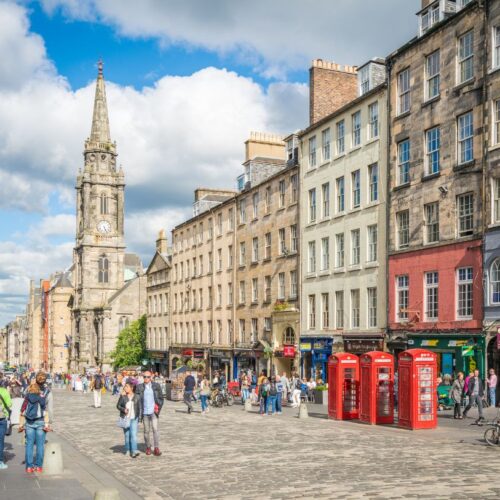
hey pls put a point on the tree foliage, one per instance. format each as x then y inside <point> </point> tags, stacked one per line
<point>131,344</point>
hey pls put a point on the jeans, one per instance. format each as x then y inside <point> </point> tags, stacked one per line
<point>245,394</point>
<point>35,435</point>
<point>151,422</point>
<point>475,399</point>
<point>278,402</point>
<point>188,396</point>
<point>97,398</point>
<point>492,391</point>
<point>130,435</point>
<point>3,430</point>
<point>271,401</point>
<point>204,402</point>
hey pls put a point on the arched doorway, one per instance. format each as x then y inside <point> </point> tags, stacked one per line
<point>493,359</point>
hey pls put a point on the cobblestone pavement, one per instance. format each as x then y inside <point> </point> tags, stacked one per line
<point>233,454</point>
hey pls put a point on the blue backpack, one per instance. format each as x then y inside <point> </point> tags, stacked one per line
<point>35,407</point>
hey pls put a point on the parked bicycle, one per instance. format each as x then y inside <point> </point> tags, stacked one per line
<point>219,397</point>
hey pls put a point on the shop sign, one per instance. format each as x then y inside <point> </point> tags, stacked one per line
<point>457,343</point>
<point>305,346</point>
<point>319,344</point>
<point>225,360</point>
<point>363,345</point>
<point>430,343</point>
<point>198,354</point>
<point>467,351</point>
<point>158,355</point>
<point>288,351</point>
<point>187,352</point>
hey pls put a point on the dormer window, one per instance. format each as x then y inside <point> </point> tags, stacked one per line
<point>364,80</point>
<point>429,18</point>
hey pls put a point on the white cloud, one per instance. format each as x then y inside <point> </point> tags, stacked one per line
<point>272,36</point>
<point>174,136</point>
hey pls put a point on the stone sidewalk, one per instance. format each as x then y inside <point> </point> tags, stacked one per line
<point>80,480</point>
<point>233,454</point>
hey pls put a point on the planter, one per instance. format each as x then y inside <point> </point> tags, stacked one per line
<point>321,397</point>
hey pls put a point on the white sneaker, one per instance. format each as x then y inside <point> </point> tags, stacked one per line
<point>3,466</point>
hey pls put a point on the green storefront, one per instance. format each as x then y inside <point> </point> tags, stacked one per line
<point>456,352</point>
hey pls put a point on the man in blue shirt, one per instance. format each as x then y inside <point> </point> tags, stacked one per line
<point>151,403</point>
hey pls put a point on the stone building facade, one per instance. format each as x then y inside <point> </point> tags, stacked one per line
<point>233,261</point>
<point>436,164</point>
<point>158,285</point>
<point>102,293</point>
<point>343,227</point>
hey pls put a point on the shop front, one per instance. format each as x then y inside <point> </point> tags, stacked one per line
<point>456,352</point>
<point>159,362</point>
<point>314,354</point>
<point>220,360</point>
<point>244,360</point>
<point>285,360</point>
<point>359,344</point>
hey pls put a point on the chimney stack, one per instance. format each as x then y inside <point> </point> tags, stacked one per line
<point>161,242</point>
<point>331,86</point>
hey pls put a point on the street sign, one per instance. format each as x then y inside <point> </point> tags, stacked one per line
<point>467,351</point>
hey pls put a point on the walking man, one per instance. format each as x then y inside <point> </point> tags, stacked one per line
<point>475,392</point>
<point>97,383</point>
<point>151,403</point>
<point>189,386</point>
<point>492,387</point>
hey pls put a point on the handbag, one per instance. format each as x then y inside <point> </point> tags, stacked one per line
<point>8,431</point>
<point>123,422</point>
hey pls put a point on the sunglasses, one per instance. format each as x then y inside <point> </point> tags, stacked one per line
<point>147,376</point>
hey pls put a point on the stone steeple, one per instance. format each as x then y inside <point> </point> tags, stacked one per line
<point>99,134</point>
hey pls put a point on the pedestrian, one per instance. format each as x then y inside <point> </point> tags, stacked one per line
<point>263,394</point>
<point>129,405</point>
<point>5,406</point>
<point>189,386</point>
<point>204,394</point>
<point>492,387</point>
<point>46,394</point>
<point>96,386</point>
<point>272,396</point>
<point>245,387</point>
<point>151,403</point>
<point>456,394</point>
<point>279,397</point>
<point>475,393</point>
<point>286,388</point>
<point>34,420</point>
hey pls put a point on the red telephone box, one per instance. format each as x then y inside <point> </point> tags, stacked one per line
<point>417,389</point>
<point>343,386</point>
<point>376,405</point>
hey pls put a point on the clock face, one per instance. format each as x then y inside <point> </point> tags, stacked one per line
<point>104,227</point>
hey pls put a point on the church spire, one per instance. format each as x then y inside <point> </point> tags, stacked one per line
<point>100,123</point>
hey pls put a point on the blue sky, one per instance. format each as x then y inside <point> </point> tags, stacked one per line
<point>186,83</point>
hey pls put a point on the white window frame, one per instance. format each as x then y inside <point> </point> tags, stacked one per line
<point>373,182</point>
<point>403,228</point>
<point>495,45</point>
<point>465,129</point>
<point>325,253</point>
<point>312,205</point>
<point>326,144</point>
<point>339,250</point>
<point>312,152</point>
<point>465,278</point>
<point>355,247</point>
<point>404,91</point>
<point>495,197</point>
<point>371,301</point>
<point>465,213</point>
<point>311,312</point>
<point>311,257</point>
<point>325,198</point>
<point>465,57</point>
<point>494,279</point>
<point>355,308</point>
<point>340,129</point>
<point>432,151</point>
<point>325,311</point>
<point>372,239</point>
<point>281,286</point>
<point>431,299</point>
<point>339,309</point>
<point>373,129</point>
<point>404,157</point>
<point>402,297</point>
<point>356,188</point>
<point>431,218</point>
<point>293,284</point>
<point>433,75</point>
<point>282,193</point>
<point>340,188</point>
<point>356,129</point>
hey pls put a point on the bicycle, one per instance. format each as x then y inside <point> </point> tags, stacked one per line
<point>492,434</point>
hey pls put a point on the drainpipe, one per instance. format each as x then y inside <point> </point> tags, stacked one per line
<point>388,192</point>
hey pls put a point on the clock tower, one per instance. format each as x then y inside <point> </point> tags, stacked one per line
<point>98,256</point>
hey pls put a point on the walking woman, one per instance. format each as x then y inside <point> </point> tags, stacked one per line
<point>456,394</point>
<point>129,405</point>
<point>204,394</point>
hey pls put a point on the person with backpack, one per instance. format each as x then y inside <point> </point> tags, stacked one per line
<point>34,420</point>
<point>5,406</point>
<point>272,396</point>
<point>263,394</point>
<point>96,386</point>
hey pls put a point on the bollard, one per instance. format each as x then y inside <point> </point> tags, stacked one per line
<point>107,494</point>
<point>248,405</point>
<point>303,411</point>
<point>52,460</point>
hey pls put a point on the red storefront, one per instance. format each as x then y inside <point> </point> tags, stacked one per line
<point>437,291</point>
